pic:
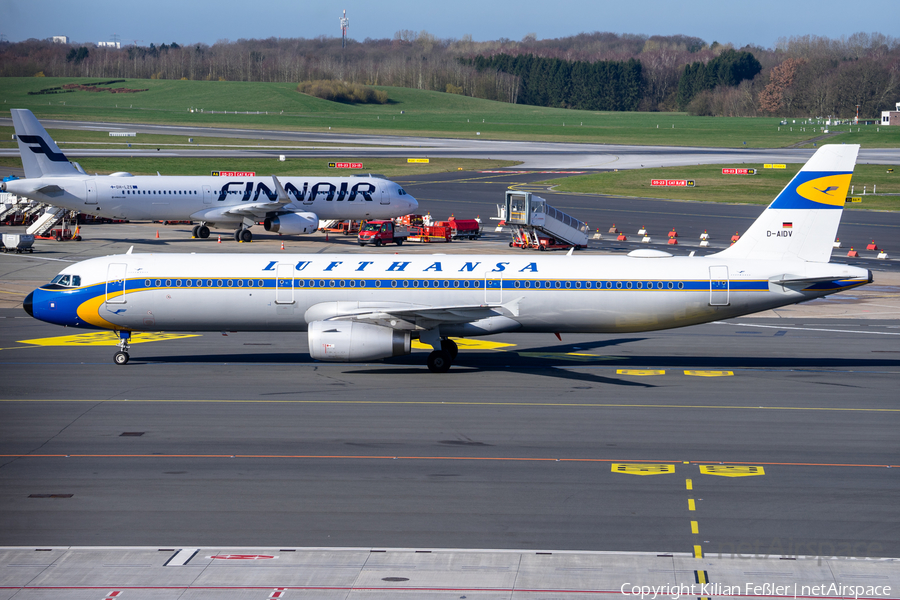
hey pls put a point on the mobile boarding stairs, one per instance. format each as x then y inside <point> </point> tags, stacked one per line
<point>536,224</point>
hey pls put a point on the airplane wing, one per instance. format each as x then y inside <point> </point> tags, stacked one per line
<point>253,209</point>
<point>412,317</point>
<point>262,209</point>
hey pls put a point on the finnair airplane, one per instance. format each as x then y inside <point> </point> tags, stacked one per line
<point>291,207</point>
<point>362,307</point>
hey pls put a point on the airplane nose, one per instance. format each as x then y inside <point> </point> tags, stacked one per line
<point>27,304</point>
<point>413,204</point>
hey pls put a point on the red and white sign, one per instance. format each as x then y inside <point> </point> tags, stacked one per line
<point>234,174</point>
<point>738,171</point>
<point>672,182</point>
<point>243,556</point>
<point>345,165</point>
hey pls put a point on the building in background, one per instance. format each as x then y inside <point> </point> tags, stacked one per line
<point>891,117</point>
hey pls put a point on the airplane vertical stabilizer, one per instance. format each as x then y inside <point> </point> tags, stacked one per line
<point>41,157</point>
<point>802,222</point>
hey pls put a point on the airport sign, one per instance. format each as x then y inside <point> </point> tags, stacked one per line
<point>345,165</point>
<point>672,182</point>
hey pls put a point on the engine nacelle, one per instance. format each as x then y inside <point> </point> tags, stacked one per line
<point>345,341</point>
<point>293,223</point>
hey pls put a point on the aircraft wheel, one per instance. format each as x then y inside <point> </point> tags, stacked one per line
<point>377,243</point>
<point>203,232</point>
<point>450,347</point>
<point>246,236</point>
<point>121,358</point>
<point>195,231</point>
<point>237,235</point>
<point>439,361</point>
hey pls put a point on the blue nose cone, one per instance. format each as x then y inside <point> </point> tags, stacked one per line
<point>28,304</point>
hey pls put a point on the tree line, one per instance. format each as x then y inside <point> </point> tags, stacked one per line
<point>801,76</point>
<point>600,85</point>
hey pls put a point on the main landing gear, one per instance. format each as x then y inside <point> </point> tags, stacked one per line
<point>200,231</point>
<point>439,361</point>
<point>121,357</point>
<point>243,235</point>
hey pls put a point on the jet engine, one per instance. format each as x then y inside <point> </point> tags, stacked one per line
<point>346,341</point>
<point>293,223</point>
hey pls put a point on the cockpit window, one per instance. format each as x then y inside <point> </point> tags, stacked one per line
<point>67,280</point>
<point>401,191</point>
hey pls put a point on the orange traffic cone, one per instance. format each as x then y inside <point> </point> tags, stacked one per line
<point>282,245</point>
<point>220,240</point>
<point>157,234</point>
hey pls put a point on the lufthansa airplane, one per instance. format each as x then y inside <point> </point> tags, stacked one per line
<point>292,205</point>
<point>362,307</point>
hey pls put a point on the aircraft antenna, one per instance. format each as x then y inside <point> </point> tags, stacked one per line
<point>345,24</point>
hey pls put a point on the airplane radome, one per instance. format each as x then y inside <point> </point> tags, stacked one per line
<point>364,307</point>
<point>288,205</point>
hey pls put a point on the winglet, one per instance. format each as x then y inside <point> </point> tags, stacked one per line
<point>283,198</point>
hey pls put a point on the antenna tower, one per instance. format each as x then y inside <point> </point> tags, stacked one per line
<point>345,23</point>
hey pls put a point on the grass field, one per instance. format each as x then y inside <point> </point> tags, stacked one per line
<point>390,167</point>
<point>279,106</point>
<point>712,186</point>
<point>74,138</point>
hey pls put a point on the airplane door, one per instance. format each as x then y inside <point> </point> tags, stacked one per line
<point>90,196</point>
<point>718,286</point>
<point>493,288</point>
<point>385,196</point>
<point>115,283</point>
<point>207,194</point>
<point>284,283</point>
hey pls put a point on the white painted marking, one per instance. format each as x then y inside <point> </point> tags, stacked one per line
<point>181,558</point>
<point>803,328</point>
<point>29,255</point>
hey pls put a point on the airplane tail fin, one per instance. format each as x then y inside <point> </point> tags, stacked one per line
<point>802,222</point>
<point>41,156</point>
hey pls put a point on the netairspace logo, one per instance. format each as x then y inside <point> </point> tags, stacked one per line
<point>823,590</point>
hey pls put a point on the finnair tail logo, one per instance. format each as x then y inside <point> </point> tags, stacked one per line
<point>43,148</point>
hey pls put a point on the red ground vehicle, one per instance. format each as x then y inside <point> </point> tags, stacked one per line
<point>462,229</point>
<point>344,227</point>
<point>382,232</point>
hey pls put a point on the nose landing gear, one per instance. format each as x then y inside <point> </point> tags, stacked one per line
<point>121,357</point>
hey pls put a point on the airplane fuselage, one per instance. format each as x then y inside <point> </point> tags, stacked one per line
<point>586,294</point>
<point>213,199</point>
